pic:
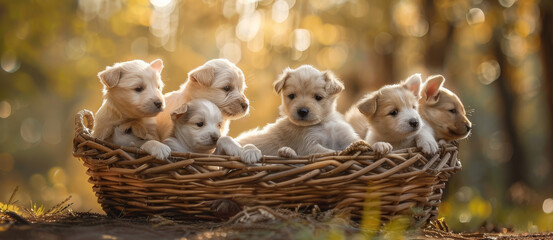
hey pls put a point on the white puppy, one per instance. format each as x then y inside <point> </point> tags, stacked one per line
<point>198,126</point>
<point>132,98</point>
<point>310,123</point>
<point>392,120</point>
<point>198,129</point>
<point>218,81</point>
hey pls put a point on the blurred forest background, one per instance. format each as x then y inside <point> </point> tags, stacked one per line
<point>497,55</point>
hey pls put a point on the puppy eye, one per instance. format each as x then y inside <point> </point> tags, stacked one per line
<point>227,88</point>
<point>318,97</point>
<point>200,124</point>
<point>139,89</point>
<point>414,107</point>
<point>393,113</point>
<point>292,96</point>
<point>453,111</point>
<point>219,125</point>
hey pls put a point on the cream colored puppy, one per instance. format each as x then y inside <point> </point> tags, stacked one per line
<point>218,81</point>
<point>443,112</point>
<point>310,123</point>
<point>198,128</point>
<point>392,118</point>
<point>132,98</point>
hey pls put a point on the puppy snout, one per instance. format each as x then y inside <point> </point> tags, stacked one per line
<point>414,122</point>
<point>158,104</point>
<point>468,128</point>
<point>214,137</point>
<point>244,105</point>
<point>302,112</point>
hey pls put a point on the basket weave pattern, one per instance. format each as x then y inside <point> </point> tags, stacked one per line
<point>129,182</point>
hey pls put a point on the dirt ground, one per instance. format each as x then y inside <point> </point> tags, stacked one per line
<point>259,225</point>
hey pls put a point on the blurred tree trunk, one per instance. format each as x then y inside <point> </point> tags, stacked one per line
<point>437,46</point>
<point>547,66</point>
<point>516,164</point>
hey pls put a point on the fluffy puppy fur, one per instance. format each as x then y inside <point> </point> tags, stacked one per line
<point>310,123</point>
<point>198,126</point>
<point>132,98</point>
<point>392,119</point>
<point>443,112</point>
<point>218,81</point>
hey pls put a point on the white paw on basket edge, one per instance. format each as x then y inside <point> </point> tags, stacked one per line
<point>250,154</point>
<point>382,148</point>
<point>427,146</point>
<point>287,152</point>
<point>156,149</point>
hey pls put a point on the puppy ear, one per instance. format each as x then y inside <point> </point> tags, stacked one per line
<point>367,105</point>
<point>413,84</point>
<point>203,75</point>
<point>333,85</point>
<point>110,77</point>
<point>157,65</point>
<point>179,112</point>
<point>431,88</point>
<point>281,80</point>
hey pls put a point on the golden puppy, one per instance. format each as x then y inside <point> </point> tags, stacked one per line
<point>132,98</point>
<point>218,81</point>
<point>442,110</point>
<point>392,119</point>
<point>310,123</point>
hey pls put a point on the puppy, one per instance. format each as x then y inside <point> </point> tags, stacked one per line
<point>310,123</point>
<point>198,126</point>
<point>132,98</point>
<point>218,81</point>
<point>443,112</point>
<point>392,119</point>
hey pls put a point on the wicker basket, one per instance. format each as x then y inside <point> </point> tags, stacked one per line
<point>129,182</point>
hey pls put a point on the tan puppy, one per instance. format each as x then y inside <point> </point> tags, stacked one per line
<point>442,110</point>
<point>218,81</point>
<point>132,98</point>
<point>309,122</point>
<point>392,118</point>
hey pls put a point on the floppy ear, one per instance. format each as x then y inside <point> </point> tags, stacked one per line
<point>203,75</point>
<point>413,84</point>
<point>333,85</point>
<point>157,65</point>
<point>110,77</point>
<point>367,105</point>
<point>431,88</point>
<point>281,80</point>
<point>179,112</point>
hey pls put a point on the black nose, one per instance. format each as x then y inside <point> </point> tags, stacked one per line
<point>414,122</point>
<point>468,127</point>
<point>244,105</point>
<point>302,112</point>
<point>214,138</point>
<point>158,104</point>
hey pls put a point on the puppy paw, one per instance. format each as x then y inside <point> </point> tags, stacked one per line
<point>156,149</point>
<point>427,146</point>
<point>382,148</point>
<point>442,142</point>
<point>227,146</point>
<point>287,152</point>
<point>250,154</point>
